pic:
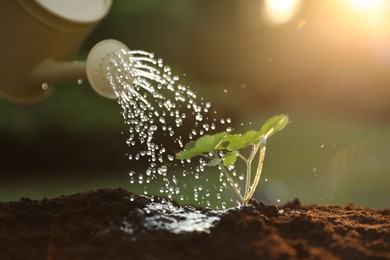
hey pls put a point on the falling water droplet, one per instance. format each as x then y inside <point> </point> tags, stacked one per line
<point>199,117</point>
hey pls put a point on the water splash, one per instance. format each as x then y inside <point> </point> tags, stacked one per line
<point>162,116</point>
<point>166,216</point>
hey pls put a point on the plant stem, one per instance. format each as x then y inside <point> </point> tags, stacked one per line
<point>249,169</point>
<point>241,156</point>
<point>248,172</point>
<point>229,178</point>
<point>258,174</point>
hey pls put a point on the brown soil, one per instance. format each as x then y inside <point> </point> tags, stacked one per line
<point>91,225</point>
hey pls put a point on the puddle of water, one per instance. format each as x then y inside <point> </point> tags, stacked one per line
<point>166,216</point>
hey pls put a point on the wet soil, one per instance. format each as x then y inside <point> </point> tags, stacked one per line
<point>112,224</point>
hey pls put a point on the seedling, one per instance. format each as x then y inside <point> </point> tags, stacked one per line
<point>224,148</point>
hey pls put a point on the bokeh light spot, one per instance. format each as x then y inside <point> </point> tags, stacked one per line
<point>280,11</point>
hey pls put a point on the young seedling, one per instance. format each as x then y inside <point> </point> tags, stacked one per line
<point>223,149</point>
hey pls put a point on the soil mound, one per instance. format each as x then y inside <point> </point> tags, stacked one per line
<point>115,224</point>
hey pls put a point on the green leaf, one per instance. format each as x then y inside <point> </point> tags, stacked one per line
<point>205,143</point>
<point>274,125</point>
<point>189,145</point>
<point>229,159</point>
<point>202,145</point>
<point>189,151</point>
<point>236,141</point>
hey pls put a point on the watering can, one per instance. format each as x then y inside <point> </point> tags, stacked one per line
<point>38,37</point>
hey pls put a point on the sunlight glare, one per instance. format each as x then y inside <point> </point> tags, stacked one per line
<point>373,15</point>
<point>368,5</point>
<point>280,11</point>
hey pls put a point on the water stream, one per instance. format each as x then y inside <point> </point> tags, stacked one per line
<point>163,115</point>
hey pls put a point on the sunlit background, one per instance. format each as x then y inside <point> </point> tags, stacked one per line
<point>325,63</point>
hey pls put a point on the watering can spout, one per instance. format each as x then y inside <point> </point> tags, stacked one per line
<point>93,69</point>
<point>43,35</point>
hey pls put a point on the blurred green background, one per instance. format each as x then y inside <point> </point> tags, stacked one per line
<point>326,65</point>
